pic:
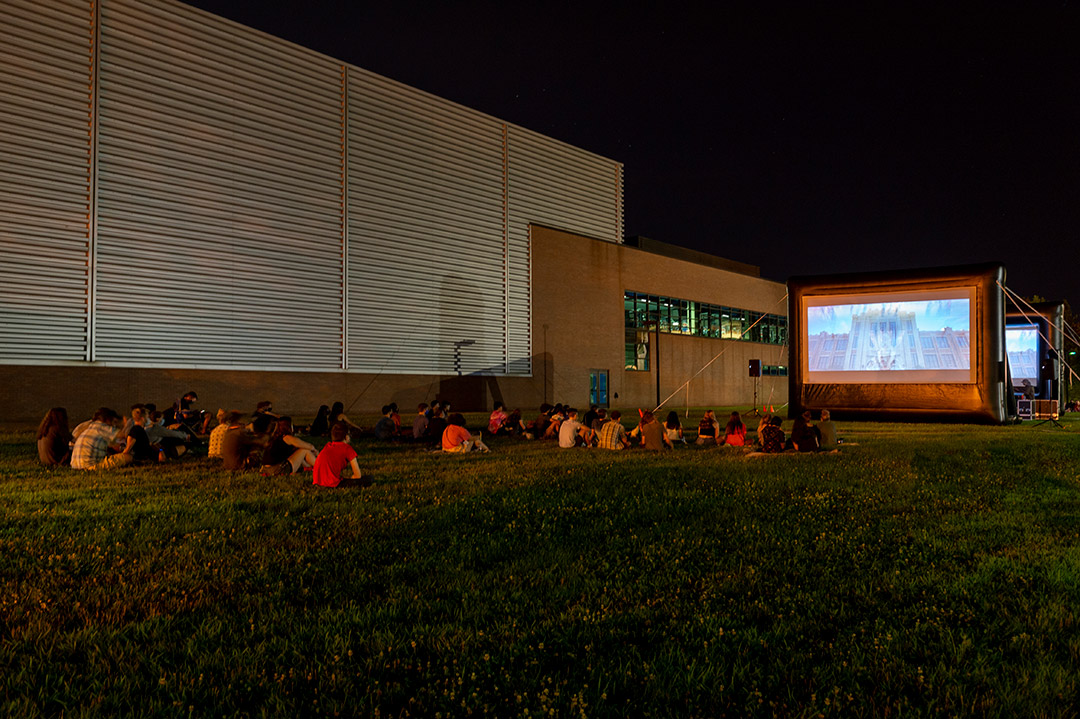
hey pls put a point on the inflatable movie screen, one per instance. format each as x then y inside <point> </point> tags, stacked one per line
<point>922,344</point>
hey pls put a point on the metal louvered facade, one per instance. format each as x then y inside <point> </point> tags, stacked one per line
<point>427,251</point>
<point>219,194</point>
<point>46,175</point>
<point>177,190</point>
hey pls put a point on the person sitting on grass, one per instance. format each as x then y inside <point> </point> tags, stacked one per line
<point>213,444</point>
<point>558,416</point>
<point>612,434</point>
<point>653,435</point>
<point>673,427</point>
<point>138,443</point>
<point>337,414</point>
<point>195,421</point>
<point>287,453</point>
<point>804,436</point>
<point>599,421</point>
<point>431,410</point>
<point>240,448</point>
<point>735,431</point>
<point>173,441</point>
<point>436,425</point>
<point>92,446</point>
<point>827,430</point>
<point>538,427</point>
<point>590,416</point>
<point>766,419</point>
<point>456,438</point>
<point>53,437</point>
<point>708,430</point>
<point>420,422</point>
<point>333,458</point>
<point>772,436</point>
<point>385,429</point>
<point>497,421</point>
<point>571,432</point>
<point>320,426</point>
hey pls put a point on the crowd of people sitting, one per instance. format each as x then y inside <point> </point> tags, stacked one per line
<point>271,444</point>
<point>265,441</point>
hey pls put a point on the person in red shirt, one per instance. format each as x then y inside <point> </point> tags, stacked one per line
<point>334,457</point>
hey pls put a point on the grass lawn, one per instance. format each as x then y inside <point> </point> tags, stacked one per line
<point>932,570</point>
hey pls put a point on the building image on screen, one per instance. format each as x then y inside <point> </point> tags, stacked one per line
<point>1022,347</point>
<point>926,344</point>
<point>925,335</point>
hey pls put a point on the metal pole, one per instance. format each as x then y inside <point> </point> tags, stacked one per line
<point>657,353</point>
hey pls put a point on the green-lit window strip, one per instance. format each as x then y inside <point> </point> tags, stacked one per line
<point>699,319</point>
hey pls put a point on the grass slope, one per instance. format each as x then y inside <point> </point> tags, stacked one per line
<point>931,570</point>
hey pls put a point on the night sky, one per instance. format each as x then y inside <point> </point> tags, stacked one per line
<point>843,138</point>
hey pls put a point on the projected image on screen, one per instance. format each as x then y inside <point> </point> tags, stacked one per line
<point>882,338</point>
<point>1022,346</point>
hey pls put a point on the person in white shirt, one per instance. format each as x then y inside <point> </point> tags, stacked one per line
<point>571,432</point>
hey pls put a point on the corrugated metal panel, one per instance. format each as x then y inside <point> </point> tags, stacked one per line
<point>554,184</point>
<point>427,254</point>
<point>220,186</point>
<point>46,109</point>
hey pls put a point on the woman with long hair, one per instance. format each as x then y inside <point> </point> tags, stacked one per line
<point>735,431</point>
<point>286,453</point>
<point>53,437</point>
<point>337,414</point>
<point>673,427</point>
<point>320,426</point>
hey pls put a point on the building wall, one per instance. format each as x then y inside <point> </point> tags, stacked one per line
<point>178,190</point>
<point>578,325</point>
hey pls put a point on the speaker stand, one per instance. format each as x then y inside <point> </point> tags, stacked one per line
<point>754,412</point>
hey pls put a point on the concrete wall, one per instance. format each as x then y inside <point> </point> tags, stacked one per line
<point>26,392</point>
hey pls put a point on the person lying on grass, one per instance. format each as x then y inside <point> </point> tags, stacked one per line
<point>334,457</point>
<point>287,453</point>
<point>456,438</point>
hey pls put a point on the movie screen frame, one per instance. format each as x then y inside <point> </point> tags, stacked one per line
<point>862,376</point>
<point>1017,378</point>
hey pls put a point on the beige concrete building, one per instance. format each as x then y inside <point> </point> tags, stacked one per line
<point>582,326</point>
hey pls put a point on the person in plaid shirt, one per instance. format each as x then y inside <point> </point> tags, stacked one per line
<point>91,450</point>
<point>612,433</point>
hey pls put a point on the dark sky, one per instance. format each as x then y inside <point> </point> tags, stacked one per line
<point>805,140</point>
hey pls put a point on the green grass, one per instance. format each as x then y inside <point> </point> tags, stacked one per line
<point>933,570</point>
